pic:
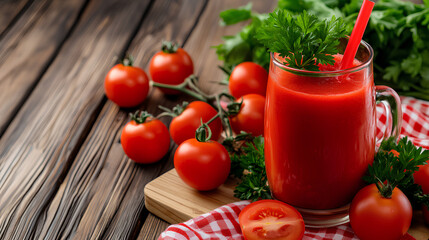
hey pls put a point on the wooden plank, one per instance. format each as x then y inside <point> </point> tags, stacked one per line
<point>102,194</point>
<point>169,198</point>
<point>9,11</point>
<point>39,146</point>
<point>152,228</point>
<point>28,48</point>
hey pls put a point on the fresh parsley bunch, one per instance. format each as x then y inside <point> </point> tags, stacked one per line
<point>398,31</point>
<point>394,165</point>
<point>304,41</point>
<point>249,166</point>
<point>243,46</point>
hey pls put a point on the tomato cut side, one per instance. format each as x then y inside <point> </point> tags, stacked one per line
<point>271,219</point>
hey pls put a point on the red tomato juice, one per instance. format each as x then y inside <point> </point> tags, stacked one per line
<point>319,135</point>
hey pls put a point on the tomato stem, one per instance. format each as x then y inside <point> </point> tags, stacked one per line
<point>183,88</point>
<point>128,61</point>
<point>174,112</point>
<point>142,118</point>
<point>385,190</point>
<point>224,115</point>
<point>213,118</point>
<point>203,133</point>
<point>169,47</point>
<point>189,86</point>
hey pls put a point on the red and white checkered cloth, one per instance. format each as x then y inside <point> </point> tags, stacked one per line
<point>222,223</point>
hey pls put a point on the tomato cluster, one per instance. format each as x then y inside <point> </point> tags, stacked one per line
<point>201,162</point>
<point>204,164</point>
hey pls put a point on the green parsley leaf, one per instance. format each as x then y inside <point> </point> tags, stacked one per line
<point>249,167</point>
<point>396,29</point>
<point>303,41</point>
<point>233,16</point>
<point>398,171</point>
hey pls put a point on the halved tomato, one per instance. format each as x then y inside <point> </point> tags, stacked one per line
<point>271,219</point>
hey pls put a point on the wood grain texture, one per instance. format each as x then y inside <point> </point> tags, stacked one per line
<point>40,144</point>
<point>9,11</point>
<point>29,47</point>
<point>102,194</point>
<point>152,228</point>
<point>169,198</point>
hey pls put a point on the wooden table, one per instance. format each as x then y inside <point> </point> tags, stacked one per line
<point>63,173</point>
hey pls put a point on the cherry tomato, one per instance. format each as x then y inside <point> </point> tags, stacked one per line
<point>202,165</point>
<point>171,66</point>
<point>375,217</point>
<point>183,127</point>
<point>251,115</point>
<point>125,85</point>
<point>145,142</point>
<point>247,78</point>
<point>421,177</point>
<point>271,219</point>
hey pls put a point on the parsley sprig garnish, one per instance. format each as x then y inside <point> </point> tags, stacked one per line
<point>303,40</point>
<point>387,171</point>
<point>395,169</point>
<point>249,166</point>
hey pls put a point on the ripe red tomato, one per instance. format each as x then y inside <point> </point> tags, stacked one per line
<point>247,78</point>
<point>183,127</point>
<point>170,66</point>
<point>271,219</point>
<point>375,217</point>
<point>251,116</point>
<point>421,177</point>
<point>127,86</point>
<point>202,165</point>
<point>145,142</point>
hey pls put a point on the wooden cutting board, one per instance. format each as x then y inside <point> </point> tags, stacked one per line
<point>169,198</point>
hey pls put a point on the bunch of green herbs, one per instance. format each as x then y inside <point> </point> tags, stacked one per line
<point>398,31</point>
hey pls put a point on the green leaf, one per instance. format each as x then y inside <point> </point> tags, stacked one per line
<point>233,16</point>
<point>396,30</point>
<point>249,167</point>
<point>392,72</point>
<point>303,40</point>
<point>398,170</point>
<point>412,64</point>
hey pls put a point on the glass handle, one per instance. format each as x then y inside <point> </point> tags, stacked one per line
<point>392,103</point>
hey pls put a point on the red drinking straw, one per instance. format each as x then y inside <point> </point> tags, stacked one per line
<point>357,34</point>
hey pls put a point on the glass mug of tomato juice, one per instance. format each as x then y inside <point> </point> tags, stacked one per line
<point>320,134</point>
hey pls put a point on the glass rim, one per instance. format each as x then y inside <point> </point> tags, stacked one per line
<point>327,73</point>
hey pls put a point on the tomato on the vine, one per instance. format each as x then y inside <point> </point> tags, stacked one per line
<point>203,165</point>
<point>271,219</point>
<point>171,66</point>
<point>374,217</point>
<point>247,78</point>
<point>145,139</point>
<point>126,85</point>
<point>250,117</point>
<point>183,126</point>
